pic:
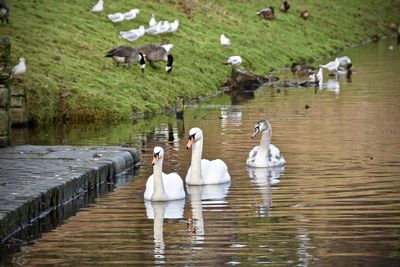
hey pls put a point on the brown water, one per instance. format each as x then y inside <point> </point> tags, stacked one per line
<point>337,202</point>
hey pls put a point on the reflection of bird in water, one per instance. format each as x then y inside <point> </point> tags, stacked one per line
<point>231,116</point>
<point>265,178</point>
<point>158,211</point>
<point>205,196</point>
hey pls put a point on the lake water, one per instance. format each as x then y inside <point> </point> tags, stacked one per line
<point>337,201</point>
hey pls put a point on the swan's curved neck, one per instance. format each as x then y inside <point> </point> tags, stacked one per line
<point>196,176</point>
<point>264,143</point>
<point>159,191</point>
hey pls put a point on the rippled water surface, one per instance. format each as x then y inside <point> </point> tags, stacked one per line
<point>337,202</point>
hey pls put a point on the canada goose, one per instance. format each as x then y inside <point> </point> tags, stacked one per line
<point>98,7</point>
<point>127,54</point>
<point>168,47</point>
<point>267,13</point>
<point>233,61</point>
<point>305,14</point>
<point>4,11</point>
<point>154,53</point>
<point>284,7</point>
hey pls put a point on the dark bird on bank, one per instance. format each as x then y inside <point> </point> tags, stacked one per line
<point>4,11</point>
<point>284,7</point>
<point>127,55</point>
<point>300,70</point>
<point>393,27</point>
<point>154,53</point>
<point>267,13</point>
<point>305,14</point>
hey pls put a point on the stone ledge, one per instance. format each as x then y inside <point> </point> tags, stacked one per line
<point>36,179</point>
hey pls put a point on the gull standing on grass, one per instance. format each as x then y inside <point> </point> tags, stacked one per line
<point>98,7</point>
<point>131,14</point>
<point>233,61</point>
<point>224,40</point>
<point>20,68</point>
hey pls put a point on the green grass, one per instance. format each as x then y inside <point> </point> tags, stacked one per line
<point>83,85</point>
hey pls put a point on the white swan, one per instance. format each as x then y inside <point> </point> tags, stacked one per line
<point>204,171</point>
<point>266,154</point>
<point>161,186</point>
<point>224,40</point>
<point>98,7</point>
<point>20,68</point>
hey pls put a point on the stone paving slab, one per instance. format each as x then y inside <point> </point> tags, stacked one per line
<point>34,179</point>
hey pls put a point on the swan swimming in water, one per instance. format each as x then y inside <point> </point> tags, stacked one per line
<point>266,154</point>
<point>161,186</point>
<point>204,171</point>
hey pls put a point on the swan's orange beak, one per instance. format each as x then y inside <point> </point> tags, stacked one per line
<point>256,130</point>
<point>189,143</point>
<point>154,161</point>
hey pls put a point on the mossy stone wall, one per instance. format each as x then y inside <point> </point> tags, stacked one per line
<point>5,96</point>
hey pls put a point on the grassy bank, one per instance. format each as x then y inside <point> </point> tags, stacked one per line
<point>69,78</point>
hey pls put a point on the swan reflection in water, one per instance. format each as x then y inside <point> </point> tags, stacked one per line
<point>265,178</point>
<point>158,210</point>
<point>331,85</point>
<point>209,197</point>
<point>230,116</point>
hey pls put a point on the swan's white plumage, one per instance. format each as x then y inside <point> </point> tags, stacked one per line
<point>172,184</point>
<point>204,171</point>
<point>265,154</point>
<point>213,171</point>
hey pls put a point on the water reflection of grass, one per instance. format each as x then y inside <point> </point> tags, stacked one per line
<point>68,76</point>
